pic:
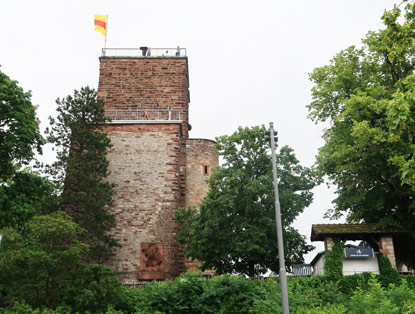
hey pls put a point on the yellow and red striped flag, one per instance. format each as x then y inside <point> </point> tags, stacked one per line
<point>100,22</point>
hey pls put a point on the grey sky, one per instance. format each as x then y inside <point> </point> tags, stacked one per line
<point>248,60</point>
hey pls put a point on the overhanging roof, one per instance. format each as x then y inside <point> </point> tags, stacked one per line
<point>351,231</point>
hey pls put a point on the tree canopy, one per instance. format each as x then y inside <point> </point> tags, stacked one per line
<point>25,195</point>
<point>366,96</point>
<point>81,167</point>
<point>235,231</point>
<point>19,128</point>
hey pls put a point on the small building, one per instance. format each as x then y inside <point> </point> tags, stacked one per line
<point>356,259</point>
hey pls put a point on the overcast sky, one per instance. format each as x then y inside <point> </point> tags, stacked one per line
<point>248,60</point>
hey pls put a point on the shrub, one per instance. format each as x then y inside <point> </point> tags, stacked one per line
<point>268,299</point>
<point>24,308</point>
<point>388,274</point>
<point>227,294</point>
<point>348,284</point>
<point>328,309</point>
<point>93,288</point>
<point>410,280</point>
<point>315,291</point>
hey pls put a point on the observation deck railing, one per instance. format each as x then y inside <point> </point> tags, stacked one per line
<point>144,115</point>
<point>144,52</point>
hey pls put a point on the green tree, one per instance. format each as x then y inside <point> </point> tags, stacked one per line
<point>81,168</point>
<point>354,93</point>
<point>235,231</point>
<point>400,120</point>
<point>19,127</point>
<point>25,195</point>
<point>42,267</point>
<point>35,266</point>
<point>365,145</point>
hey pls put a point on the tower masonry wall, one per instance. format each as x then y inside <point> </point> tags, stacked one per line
<point>201,159</point>
<point>156,169</point>
<point>145,168</point>
<point>145,83</point>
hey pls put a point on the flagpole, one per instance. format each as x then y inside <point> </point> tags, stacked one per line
<point>106,32</point>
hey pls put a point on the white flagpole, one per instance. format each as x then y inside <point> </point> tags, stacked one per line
<point>106,32</point>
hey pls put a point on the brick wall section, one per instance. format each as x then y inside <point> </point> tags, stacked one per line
<point>145,167</point>
<point>200,153</point>
<point>145,83</point>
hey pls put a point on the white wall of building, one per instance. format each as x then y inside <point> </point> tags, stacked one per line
<point>360,265</point>
<point>319,267</point>
<point>350,266</point>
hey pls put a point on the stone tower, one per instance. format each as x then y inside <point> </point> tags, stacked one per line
<point>156,168</point>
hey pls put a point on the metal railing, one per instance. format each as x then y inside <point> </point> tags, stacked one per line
<point>144,114</point>
<point>144,52</point>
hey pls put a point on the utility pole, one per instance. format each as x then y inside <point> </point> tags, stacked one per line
<point>271,136</point>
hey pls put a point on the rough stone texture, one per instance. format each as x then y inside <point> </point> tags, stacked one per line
<point>200,153</point>
<point>328,243</point>
<point>151,165</point>
<point>388,249</point>
<point>144,163</point>
<point>145,83</point>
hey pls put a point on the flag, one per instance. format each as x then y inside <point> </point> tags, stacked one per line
<point>100,22</point>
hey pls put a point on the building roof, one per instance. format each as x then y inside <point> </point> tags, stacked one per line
<point>302,270</point>
<point>350,231</point>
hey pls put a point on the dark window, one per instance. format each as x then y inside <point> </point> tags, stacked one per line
<point>205,170</point>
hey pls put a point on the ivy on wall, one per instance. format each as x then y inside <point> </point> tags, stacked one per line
<point>333,265</point>
<point>388,274</point>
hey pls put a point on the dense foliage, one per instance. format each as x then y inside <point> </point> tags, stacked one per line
<point>193,294</point>
<point>34,266</point>
<point>333,267</point>
<point>82,167</point>
<point>19,128</point>
<point>388,274</point>
<point>366,95</point>
<point>24,195</point>
<point>43,267</point>
<point>235,230</point>
<point>43,250</point>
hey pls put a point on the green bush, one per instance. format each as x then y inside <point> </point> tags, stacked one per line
<point>327,309</point>
<point>24,308</point>
<point>401,294</point>
<point>388,274</point>
<point>268,299</point>
<point>100,292</point>
<point>410,280</point>
<point>228,294</point>
<point>374,300</point>
<point>313,292</point>
<point>348,284</point>
<point>92,287</point>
